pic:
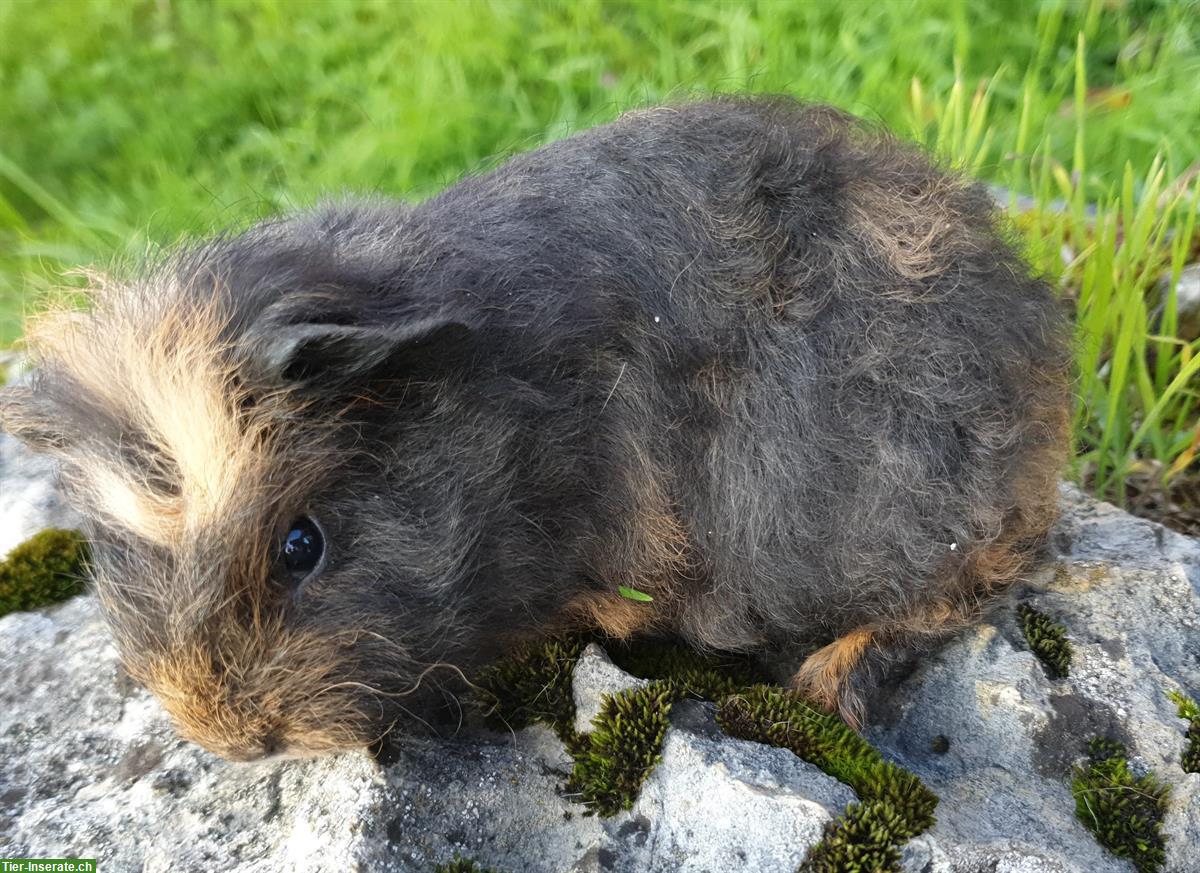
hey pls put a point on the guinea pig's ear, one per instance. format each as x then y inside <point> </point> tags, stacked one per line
<point>26,415</point>
<point>332,355</point>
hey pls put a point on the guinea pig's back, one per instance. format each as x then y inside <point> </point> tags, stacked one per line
<point>810,348</point>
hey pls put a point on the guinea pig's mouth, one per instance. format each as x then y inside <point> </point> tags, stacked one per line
<point>271,750</point>
<point>272,742</point>
<point>270,747</point>
<point>290,701</point>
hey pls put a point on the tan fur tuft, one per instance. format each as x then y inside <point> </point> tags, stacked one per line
<point>166,376</point>
<point>824,676</point>
<point>243,702</point>
<point>910,226</point>
<point>613,614</point>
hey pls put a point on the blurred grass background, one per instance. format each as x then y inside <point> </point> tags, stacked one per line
<point>129,124</point>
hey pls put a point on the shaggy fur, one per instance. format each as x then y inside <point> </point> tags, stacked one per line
<point>751,357</point>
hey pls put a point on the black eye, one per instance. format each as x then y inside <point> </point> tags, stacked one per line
<point>303,546</point>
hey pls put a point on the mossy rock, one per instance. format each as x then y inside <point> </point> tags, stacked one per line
<point>1122,811</point>
<point>1047,639</point>
<point>710,676</point>
<point>896,806</point>
<point>1189,761</point>
<point>532,685</point>
<point>614,760</point>
<point>47,568</point>
<point>866,839</point>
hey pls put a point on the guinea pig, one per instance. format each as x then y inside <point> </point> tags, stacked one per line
<point>753,358</point>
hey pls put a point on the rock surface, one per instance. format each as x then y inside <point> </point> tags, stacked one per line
<point>28,501</point>
<point>89,766</point>
<point>1187,302</point>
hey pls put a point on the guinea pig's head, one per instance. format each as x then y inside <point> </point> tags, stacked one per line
<point>265,550</point>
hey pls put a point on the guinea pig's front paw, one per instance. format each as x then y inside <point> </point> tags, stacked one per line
<point>824,677</point>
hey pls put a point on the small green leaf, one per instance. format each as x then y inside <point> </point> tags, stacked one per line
<point>634,594</point>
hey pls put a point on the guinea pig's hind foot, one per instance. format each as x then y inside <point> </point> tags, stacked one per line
<point>824,678</point>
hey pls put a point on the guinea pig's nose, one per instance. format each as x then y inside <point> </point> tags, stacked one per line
<point>264,749</point>
<point>272,747</point>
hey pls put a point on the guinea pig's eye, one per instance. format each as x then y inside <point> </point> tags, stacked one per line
<point>303,547</point>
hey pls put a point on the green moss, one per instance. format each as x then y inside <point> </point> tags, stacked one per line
<point>533,684</point>
<point>1047,639</point>
<point>1187,708</point>
<point>866,839</point>
<point>896,805</point>
<point>614,760</point>
<point>462,865</point>
<point>701,677</point>
<point>1123,812</point>
<point>48,567</point>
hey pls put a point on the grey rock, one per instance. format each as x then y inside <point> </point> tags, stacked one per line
<point>1128,592</point>
<point>1182,825</point>
<point>1012,858</point>
<point>596,676</point>
<point>89,765</point>
<point>714,804</point>
<point>925,855</point>
<point>1187,301</point>
<point>29,501</point>
<point>13,366</point>
<point>494,798</point>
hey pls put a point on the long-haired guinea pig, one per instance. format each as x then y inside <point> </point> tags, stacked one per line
<point>750,357</point>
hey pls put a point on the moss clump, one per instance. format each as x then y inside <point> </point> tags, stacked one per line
<point>895,807</point>
<point>613,761</point>
<point>866,839</point>
<point>1123,812</point>
<point>1187,708</point>
<point>1047,639</point>
<point>462,865</point>
<point>533,684</point>
<point>701,677</point>
<point>48,567</point>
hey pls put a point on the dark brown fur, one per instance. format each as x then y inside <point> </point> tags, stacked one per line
<point>753,358</point>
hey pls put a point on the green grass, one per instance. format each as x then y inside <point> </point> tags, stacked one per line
<point>128,124</point>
